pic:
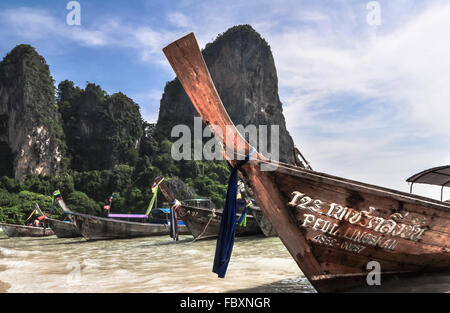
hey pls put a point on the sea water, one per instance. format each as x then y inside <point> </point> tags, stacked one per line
<point>159,264</point>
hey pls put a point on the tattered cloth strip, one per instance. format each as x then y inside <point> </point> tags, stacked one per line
<point>227,231</point>
<point>56,196</point>
<point>243,219</point>
<point>174,229</point>
<point>155,192</point>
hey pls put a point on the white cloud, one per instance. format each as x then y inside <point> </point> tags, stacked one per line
<point>35,25</point>
<point>398,74</point>
<point>179,19</point>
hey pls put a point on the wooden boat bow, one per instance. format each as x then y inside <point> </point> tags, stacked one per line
<point>186,59</point>
<point>405,233</point>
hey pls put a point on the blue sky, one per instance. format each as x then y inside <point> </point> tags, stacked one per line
<point>367,102</point>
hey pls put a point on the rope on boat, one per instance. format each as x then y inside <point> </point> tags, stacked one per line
<point>207,224</point>
<point>227,231</point>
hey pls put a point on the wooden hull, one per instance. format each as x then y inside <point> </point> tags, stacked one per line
<point>333,227</point>
<point>99,228</point>
<point>63,229</point>
<point>205,223</point>
<point>263,223</point>
<point>12,230</point>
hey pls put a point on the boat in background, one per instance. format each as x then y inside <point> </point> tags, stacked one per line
<point>101,228</point>
<point>437,176</point>
<point>337,230</point>
<point>266,227</point>
<point>203,219</point>
<point>12,230</point>
<point>116,227</point>
<point>62,229</point>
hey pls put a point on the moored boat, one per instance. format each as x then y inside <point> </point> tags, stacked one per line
<point>266,227</point>
<point>13,230</point>
<point>100,228</point>
<point>203,220</point>
<point>64,229</point>
<point>333,227</point>
<point>204,223</point>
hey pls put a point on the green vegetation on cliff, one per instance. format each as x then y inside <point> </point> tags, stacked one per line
<point>104,144</point>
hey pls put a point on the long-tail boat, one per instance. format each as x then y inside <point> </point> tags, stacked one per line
<point>332,226</point>
<point>101,228</point>
<point>13,230</point>
<point>62,229</point>
<point>115,227</point>
<point>203,220</point>
<point>266,227</point>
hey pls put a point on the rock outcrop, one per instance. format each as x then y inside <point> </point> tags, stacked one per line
<point>101,130</point>
<point>242,67</point>
<point>31,135</point>
<point>180,190</point>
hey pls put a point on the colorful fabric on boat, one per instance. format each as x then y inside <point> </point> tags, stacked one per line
<point>108,206</point>
<point>155,192</point>
<point>43,217</point>
<point>174,227</point>
<point>227,231</point>
<point>243,219</point>
<point>56,196</point>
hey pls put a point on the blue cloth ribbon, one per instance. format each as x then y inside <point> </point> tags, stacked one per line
<point>227,231</point>
<point>53,206</point>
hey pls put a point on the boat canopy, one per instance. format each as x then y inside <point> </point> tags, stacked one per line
<point>439,176</point>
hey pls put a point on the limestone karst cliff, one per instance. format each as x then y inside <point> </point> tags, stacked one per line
<point>31,135</point>
<point>101,144</point>
<point>101,130</point>
<point>243,70</point>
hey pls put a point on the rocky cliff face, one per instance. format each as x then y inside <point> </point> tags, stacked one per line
<point>102,130</point>
<point>31,136</point>
<point>242,67</point>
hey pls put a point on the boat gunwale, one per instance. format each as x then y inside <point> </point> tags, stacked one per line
<point>216,211</point>
<point>369,188</point>
<point>22,226</point>
<point>105,219</point>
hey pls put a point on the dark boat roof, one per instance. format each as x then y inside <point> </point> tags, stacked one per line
<point>439,176</point>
